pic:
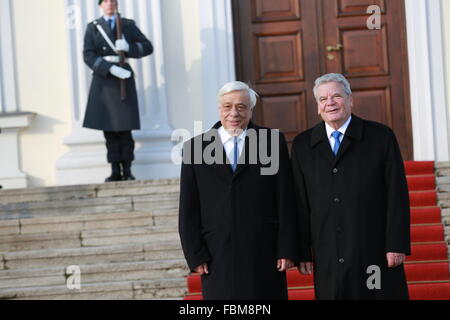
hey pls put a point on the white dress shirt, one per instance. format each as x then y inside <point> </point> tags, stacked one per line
<point>342,130</point>
<point>228,143</point>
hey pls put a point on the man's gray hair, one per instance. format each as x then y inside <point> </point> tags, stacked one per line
<point>332,77</point>
<point>239,86</point>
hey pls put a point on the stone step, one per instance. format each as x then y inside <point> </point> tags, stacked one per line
<point>120,290</point>
<point>160,289</point>
<point>443,196</point>
<point>139,203</point>
<point>76,223</point>
<point>65,208</point>
<point>9,227</point>
<point>442,169</point>
<point>47,194</point>
<point>446,216</point>
<point>139,188</point>
<point>56,240</point>
<point>129,235</point>
<point>88,238</point>
<point>165,217</point>
<point>98,273</point>
<point>88,222</point>
<point>443,184</point>
<point>88,191</point>
<point>156,202</point>
<point>93,255</point>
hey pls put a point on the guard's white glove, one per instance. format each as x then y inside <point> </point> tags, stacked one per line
<point>122,45</point>
<point>120,73</point>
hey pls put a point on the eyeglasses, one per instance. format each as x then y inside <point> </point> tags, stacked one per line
<point>239,108</point>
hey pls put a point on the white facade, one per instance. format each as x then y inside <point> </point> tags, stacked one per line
<point>177,85</point>
<point>12,122</point>
<point>427,80</point>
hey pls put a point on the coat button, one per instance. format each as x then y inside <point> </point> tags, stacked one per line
<point>335,170</point>
<point>339,230</point>
<point>336,200</point>
<point>341,260</point>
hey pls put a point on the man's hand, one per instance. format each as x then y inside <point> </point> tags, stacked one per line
<point>119,72</point>
<point>122,45</point>
<point>284,264</point>
<point>305,268</point>
<point>395,259</point>
<point>202,269</point>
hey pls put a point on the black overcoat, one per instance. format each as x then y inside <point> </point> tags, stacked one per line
<point>105,110</point>
<point>353,209</point>
<point>239,223</point>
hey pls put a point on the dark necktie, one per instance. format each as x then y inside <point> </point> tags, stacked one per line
<point>110,23</point>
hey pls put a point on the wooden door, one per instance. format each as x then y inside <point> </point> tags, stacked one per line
<point>277,54</point>
<point>282,46</point>
<point>374,61</point>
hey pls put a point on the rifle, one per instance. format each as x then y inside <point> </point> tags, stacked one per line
<point>123,83</point>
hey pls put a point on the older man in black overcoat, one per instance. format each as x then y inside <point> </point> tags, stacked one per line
<point>105,109</point>
<point>352,199</point>
<point>237,220</point>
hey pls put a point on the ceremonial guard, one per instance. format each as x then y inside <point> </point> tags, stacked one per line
<point>112,104</point>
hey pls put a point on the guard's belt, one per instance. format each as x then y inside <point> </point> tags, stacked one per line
<point>114,59</point>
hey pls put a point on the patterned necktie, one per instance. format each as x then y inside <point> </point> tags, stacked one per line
<point>337,142</point>
<point>235,154</point>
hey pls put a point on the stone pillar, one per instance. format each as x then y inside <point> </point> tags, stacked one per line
<point>85,162</point>
<point>427,80</point>
<point>11,120</point>
<point>218,64</point>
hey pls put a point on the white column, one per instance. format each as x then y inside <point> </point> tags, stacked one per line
<point>425,53</point>
<point>218,63</point>
<point>12,121</point>
<point>8,96</point>
<point>86,160</point>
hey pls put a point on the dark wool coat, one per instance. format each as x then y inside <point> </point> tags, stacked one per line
<point>239,223</point>
<point>105,110</point>
<point>353,209</point>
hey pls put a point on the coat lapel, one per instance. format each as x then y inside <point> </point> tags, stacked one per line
<point>107,29</point>
<point>320,141</point>
<point>244,159</point>
<point>353,133</point>
<point>222,169</point>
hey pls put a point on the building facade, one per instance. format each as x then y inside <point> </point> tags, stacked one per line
<point>399,71</point>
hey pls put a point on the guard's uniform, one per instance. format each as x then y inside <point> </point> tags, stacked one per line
<point>105,110</point>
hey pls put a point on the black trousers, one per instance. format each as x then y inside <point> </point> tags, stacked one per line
<point>120,146</point>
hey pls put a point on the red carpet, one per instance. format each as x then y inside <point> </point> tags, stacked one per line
<point>427,269</point>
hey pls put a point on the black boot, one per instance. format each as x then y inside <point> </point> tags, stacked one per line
<point>127,175</point>
<point>115,175</point>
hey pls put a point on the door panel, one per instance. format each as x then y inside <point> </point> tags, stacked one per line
<point>347,8</point>
<point>278,55</point>
<point>365,52</point>
<point>269,10</point>
<point>374,62</point>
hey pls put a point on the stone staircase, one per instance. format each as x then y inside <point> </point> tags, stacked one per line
<point>443,195</point>
<point>123,237</point>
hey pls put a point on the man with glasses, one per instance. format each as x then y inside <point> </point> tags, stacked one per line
<point>237,220</point>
